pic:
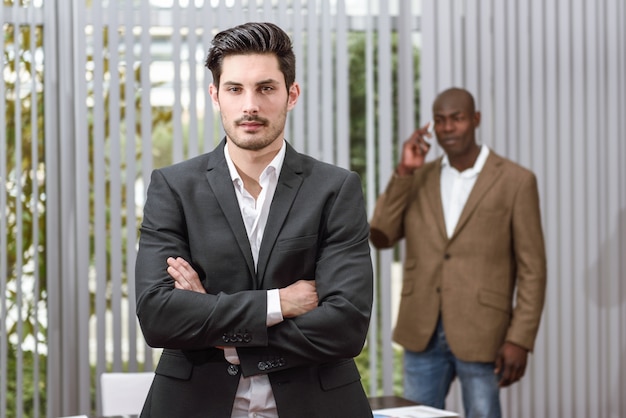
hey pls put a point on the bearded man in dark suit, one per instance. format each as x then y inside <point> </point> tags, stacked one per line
<point>254,271</point>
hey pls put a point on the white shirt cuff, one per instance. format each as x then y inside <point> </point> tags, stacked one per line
<point>274,314</point>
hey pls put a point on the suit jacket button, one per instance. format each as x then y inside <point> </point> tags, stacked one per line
<point>262,365</point>
<point>446,256</point>
<point>232,369</point>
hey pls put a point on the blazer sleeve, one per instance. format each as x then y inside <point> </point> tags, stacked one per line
<point>529,249</point>
<point>387,223</point>
<point>181,319</point>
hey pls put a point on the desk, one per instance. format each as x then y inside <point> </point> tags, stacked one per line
<point>384,402</point>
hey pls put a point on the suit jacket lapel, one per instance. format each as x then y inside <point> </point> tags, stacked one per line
<point>220,182</point>
<point>286,190</point>
<point>433,191</point>
<point>486,178</point>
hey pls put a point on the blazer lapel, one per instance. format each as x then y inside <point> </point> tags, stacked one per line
<point>220,182</point>
<point>485,180</point>
<point>286,191</point>
<point>433,191</point>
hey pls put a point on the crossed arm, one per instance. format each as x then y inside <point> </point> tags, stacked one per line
<point>295,299</point>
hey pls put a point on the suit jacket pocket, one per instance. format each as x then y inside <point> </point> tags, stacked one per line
<point>297,244</point>
<point>338,374</point>
<point>495,300</point>
<point>174,364</point>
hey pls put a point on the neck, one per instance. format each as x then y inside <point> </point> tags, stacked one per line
<point>250,164</point>
<point>465,161</point>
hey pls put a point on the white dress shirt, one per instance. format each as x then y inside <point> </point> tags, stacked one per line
<point>456,187</point>
<point>254,398</point>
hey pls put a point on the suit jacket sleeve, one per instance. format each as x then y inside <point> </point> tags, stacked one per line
<point>181,319</point>
<point>529,249</point>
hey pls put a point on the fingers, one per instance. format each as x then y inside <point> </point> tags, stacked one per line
<point>185,277</point>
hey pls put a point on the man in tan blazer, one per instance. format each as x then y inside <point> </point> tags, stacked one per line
<point>475,268</point>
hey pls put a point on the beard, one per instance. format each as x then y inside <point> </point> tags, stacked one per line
<point>255,141</point>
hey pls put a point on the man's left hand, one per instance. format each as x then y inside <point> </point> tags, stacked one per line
<point>185,277</point>
<point>510,363</point>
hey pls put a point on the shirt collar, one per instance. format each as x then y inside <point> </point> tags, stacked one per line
<point>478,164</point>
<point>274,165</point>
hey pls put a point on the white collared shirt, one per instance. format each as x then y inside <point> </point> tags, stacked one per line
<point>254,398</point>
<point>456,187</point>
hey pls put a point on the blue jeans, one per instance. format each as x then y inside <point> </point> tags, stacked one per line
<point>429,374</point>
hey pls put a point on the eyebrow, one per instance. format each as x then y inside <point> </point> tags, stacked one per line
<point>258,83</point>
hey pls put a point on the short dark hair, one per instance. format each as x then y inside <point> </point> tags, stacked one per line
<point>252,38</point>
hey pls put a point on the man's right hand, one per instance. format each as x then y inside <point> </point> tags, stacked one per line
<point>298,298</point>
<point>414,152</point>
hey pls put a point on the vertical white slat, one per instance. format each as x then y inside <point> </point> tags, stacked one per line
<point>563,121</point>
<point>312,87</point>
<point>114,278</point>
<point>592,206</point>
<point>342,87</point>
<point>579,235</point>
<point>178,143</point>
<point>428,58</point>
<point>99,195</point>
<point>191,67</point>
<point>373,189</point>
<point>551,313</point>
<point>81,197</point>
<point>129,160</point>
<point>406,74</point>
<point>444,27</point>
<point>524,145</point>
<point>146,136</point>
<point>611,248</point>
<point>500,71</point>
<point>146,114</point>
<point>327,92</point>
<point>471,46</point>
<point>298,119</point>
<point>457,33</point>
<point>207,17</point>
<point>485,91</point>
<point>52,217</point>
<point>68,277</point>
<point>385,133</point>
<point>538,360</point>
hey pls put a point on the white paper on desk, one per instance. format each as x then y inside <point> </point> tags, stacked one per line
<point>420,411</point>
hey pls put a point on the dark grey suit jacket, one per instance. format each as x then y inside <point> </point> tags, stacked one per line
<point>317,229</point>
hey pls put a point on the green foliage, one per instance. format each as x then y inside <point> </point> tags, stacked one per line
<point>360,89</point>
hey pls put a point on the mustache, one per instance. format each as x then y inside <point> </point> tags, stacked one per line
<point>251,118</point>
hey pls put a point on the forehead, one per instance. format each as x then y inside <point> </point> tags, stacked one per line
<point>251,68</point>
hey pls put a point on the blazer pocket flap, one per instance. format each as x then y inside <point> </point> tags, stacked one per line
<point>175,365</point>
<point>495,300</point>
<point>295,244</point>
<point>338,374</point>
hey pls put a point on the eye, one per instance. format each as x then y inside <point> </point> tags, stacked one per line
<point>233,89</point>
<point>267,89</point>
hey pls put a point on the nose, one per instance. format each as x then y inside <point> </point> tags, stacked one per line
<point>250,104</point>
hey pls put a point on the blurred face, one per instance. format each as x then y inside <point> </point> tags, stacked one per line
<point>253,100</point>
<point>455,126</point>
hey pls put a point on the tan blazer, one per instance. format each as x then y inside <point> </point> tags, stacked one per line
<point>471,278</point>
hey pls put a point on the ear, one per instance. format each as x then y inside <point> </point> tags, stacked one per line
<point>476,119</point>
<point>294,93</point>
<point>213,92</point>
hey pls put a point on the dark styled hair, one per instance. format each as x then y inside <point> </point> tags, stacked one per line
<point>252,38</point>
